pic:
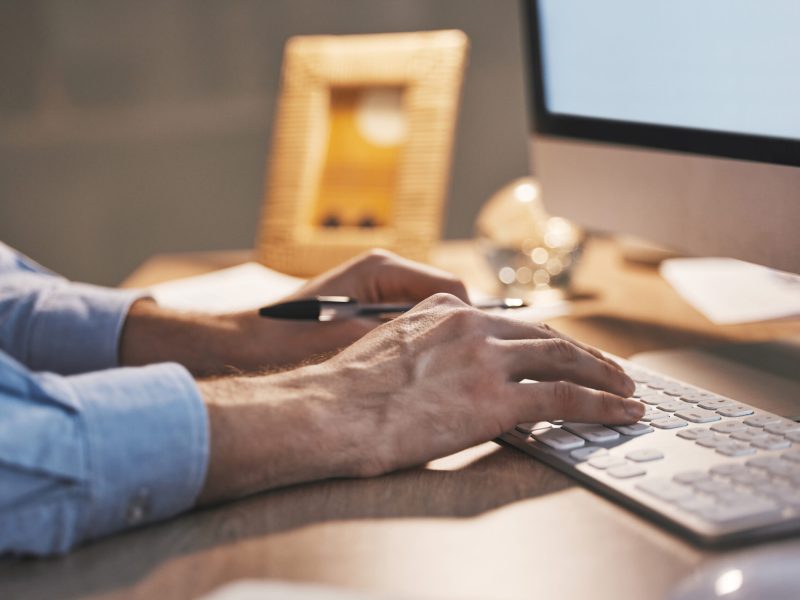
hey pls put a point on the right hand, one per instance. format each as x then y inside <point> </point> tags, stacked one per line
<point>440,378</point>
<point>444,377</point>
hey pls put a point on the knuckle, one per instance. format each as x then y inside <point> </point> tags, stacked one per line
<point>565,351</point>
<point>608,404</point>
<point>565,397</point>
<point>479,349</point>
<point>376,256</point>
<point>445,299</point>
<point>547,330</point>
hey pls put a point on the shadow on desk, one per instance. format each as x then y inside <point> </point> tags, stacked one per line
<point>460,486</point>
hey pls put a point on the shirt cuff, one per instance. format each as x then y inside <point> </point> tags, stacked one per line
<point>148,445</point>
<point>77,328</point>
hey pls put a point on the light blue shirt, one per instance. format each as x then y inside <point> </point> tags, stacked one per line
<point>86,448</point>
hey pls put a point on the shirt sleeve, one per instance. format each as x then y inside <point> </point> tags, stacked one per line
<point>51,324</point>
<point>74,466</point>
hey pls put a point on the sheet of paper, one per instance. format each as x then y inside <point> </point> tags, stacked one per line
<point>254,589</point>
<point>244,287</point>
<point>729,291</point>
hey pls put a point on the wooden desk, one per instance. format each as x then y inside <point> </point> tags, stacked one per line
<point>488,522</point>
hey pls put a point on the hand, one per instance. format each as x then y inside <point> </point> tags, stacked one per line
<point>375,276</point>
<point>208,344</point>
<point>437,379</point>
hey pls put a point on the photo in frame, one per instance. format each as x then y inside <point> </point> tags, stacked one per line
<point>361,149</point>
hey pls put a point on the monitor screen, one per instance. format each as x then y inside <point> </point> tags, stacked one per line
<point>711,76</point>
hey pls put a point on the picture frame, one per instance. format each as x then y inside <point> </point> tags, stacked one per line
<point>361,149</point>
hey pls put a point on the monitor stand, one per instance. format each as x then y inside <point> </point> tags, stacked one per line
<point>765,374</point>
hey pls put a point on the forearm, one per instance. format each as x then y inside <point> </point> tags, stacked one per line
<point>216,344</point>
<point>204,344</point>
<point>276,430</point>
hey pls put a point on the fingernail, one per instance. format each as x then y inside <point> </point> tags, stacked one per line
<point>634,409</point>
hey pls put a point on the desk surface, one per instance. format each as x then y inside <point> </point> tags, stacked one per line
<point>488,522</point>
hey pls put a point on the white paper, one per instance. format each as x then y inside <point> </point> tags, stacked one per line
<point>244,287</point>
<point>254,589</point>
<point>729,291</point>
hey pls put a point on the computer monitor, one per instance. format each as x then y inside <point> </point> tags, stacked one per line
<point>677,121</point>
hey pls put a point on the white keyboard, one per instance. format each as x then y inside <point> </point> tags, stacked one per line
<point>716,469</point>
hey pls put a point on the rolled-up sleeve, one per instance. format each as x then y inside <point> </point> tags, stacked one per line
<point>51,324</point>
<point>88,455</point>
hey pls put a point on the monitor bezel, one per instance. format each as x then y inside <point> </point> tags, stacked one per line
<point>773,150</point>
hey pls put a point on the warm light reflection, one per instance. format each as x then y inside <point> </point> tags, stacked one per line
<point>728,582</point>
<point>525,192</point>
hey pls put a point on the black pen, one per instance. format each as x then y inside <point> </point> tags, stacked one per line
<point>335,308</point>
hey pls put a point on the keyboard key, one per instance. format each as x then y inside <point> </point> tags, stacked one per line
<point>712,441</point>
<point>774,488</point>
<point>671,406</point>
<point>626,471</point>
<point>668,423</point>
<point>788,497</point>
<point>694,433</point>
<point>664,489</point>
<point>596,434</point>
<point>741,514</point>
<point>654,398</point>
<point>558,439</point>
<point>784,468</point>
<point>782,427</point>
<point>750,434</point>
<point>607,462</point>
<point>525,427</point>
<point>652,413</point>
<point>633,430</point>
<point>637,375</point>
<point>763,462</point>
<point>676,389</point>
<point>750,477</point>
<point>729,427</point>
<point>588,452</point>
<point>644,455</point>
<point>713,486</point>
<point>728,469</point>
<point>716,403</point>
<point>696,396</point>
<point>691,476</point>
<point>696,503</point>
<point>739,498</point>
<point>762,419</point>
<point>771,442</point>
<point>735,449</point>
<point>737,410</point>
<point>698,415</point>
<point>657,383</point>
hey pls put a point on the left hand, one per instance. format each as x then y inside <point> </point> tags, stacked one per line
<point>375,276</point>
<point>209,344</point>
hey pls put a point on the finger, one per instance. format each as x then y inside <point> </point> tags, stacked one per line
<point>563,400</point>
<point>398,279</point>
<point>556,359</point>
<point>514,329</point>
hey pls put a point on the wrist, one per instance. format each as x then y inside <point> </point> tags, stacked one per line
<point>276,430</point>
<point>204,344</point>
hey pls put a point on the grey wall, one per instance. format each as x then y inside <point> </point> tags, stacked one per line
<point>131,128</point>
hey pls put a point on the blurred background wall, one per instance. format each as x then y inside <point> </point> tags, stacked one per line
<point>129,128</point>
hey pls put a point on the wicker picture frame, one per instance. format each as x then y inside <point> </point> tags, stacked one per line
<point>321,74</point>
